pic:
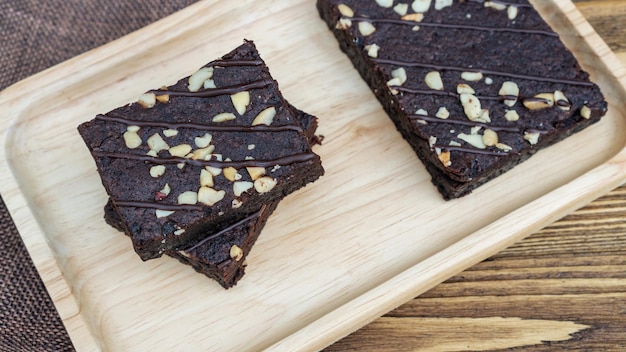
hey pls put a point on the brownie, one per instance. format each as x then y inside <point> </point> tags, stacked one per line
<point>220,255</point>
<point>475,87</point>
<point>222,252</point>
<point>201,154</point>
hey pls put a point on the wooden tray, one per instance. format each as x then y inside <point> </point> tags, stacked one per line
<point>370,235</point>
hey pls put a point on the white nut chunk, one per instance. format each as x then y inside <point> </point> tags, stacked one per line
<point>197,79</point>
<point>241,101</point>
<point>512,12</point>
<point>539,101</point>
<point>345,10</point>
<point>472,76</point>
<point>163,213</point>
<point>180,150</point>
<point>240,187</point>
<point>474,140</point>
<point>366,28</point>
<point>385,3</point>
<point>433,80</point>
<point>463,88</point>
<point>156,143</point>
<point>132,139</point>
<point>372,50</point>
<point>264,184</point>
<point>157,171</point>
<point>206,178</point>
<point>585,112</point>
<point>401,9</point>
<point>210,196</point>
<point>511,115</point>
<point>203,141</point>
<point>532,137</point>
<point>188,197</point>
<point>231,174</point>
<point>236,253</point>
<point>490,138</point>
<point>400,74</point>
<point>225,116</point>
<point>510,91</point>
<point>265,117</point>
<point>561,101</point>
<point>440,4</point>
<point>147,100</point>
<point>471,106</point>
<point>421,5</point>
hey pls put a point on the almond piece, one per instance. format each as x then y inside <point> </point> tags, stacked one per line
<point>585,112</point>
<point>241,187</point>
<point>471,106</point>
<point>372,50</point>
<point>472,76</point>
<point>210,196</point>
<point>433,80</point>
<point>420,5</point>
<point>236,253</point>
<point>206,178</point>
<point>156,143</point>
<point>444,157</point>
<point>474,140</point>
<point>225,116</point>
<point>180,150</point>
<point>509,90</point>
<point>202,154</point>
<point>512,12</point>
<point>401,9</point>
<point>511,115</point>
<point>399,73</point>
<point>170,132</point>
<point>443,113</point>
<point>265,117</point>
<point>188,197</point>
<point>440,4</point>
<point>415,17</point>
<point>132,139</point>
<point>532,137</point>
<point>540,101</point>
<point>490,138</point>
<point>385,3</point>
<point>345,10</point>
<point>231,174</point>
<point>366,28</point>
<point>163,98</point>
<point>241,101</point>
<point>147,100</point>
<point>465,89</point>
<point>163,213</point>
<point>197,79</point>
<point>204,141</point>
<point>157,171</point>
<point>264,184</point>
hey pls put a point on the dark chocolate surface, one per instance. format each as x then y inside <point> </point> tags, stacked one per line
<point>508,42</point>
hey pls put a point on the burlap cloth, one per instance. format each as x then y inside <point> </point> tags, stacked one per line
<point>34,35</point>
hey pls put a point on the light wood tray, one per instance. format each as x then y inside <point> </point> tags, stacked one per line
<point>370,235</point>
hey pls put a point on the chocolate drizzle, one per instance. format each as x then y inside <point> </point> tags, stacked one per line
<point>202,127</point>
<point>286,160</point>
<point>233,63</point>
<point>486,72</point>
<point>226,230</point>
<point>464,123</point>
<point>454,26</point>
<point>213,92</point>
<point>155,205</point>
<point>468,150</point>
<point>507,3</point>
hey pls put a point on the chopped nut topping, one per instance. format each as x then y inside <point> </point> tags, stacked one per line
<point>345,10</point>
<point>474,140</point>
<point>180,150</point>
<point>465,89</point>
<point>236,203</point>
<point>206,178</point>
<point>420,5</point>
<point>433,80</point>
<point>156,143</point>
<point>203,154</point>
<point>264,184</point>
<point>188,197</point>
<point>472,76</point>
<point>532,138</point>
<point>231,174</point>
<point>443,113</point>
<point>512,12</point>
<point>385,3</point>
<point>241,187</point>
<point>440,4</point>
<point>163,98</point>
<point>509,90</point>
<point>163,213</point>
<point>421,112</point>
<point>344,23</point>
<point>401,9</point>
<point>209,196</point>
<point>147,100</point>
<point>495,5</point>
<point>209,84</point>
<point>133,128</point>
<point>511,115</point>
<point>415,17</point>
<point>225,116</point>
<point>366,28</point>
<point>490,138</point>
<point>372,50</point>
<point>539,101</point>
<point>488,81</point>
<point>197,79</point>
<point>394,82</point>
<point>157,171</point>
<point>170,132</point>
<point>471,106</point>
<point>215,171</point>
<point>504,147</point>
<point>444,157</point>
<point>241,101</point>
<point>132,139</point>
<point>265,117</point>
<point>255,172</point>
<point>399,73</point>
<point>236,253</point>
<point>204,141</point>
<point>251,146</point>
<point>179,232</point>
<point>432,140</point>
<point>585,112</point>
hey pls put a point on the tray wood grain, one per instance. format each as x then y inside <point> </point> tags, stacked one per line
<point>369,236</point>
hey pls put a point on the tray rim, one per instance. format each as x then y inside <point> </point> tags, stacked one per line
<point>372,304</point>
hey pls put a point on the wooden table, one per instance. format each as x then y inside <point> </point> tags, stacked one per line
<point>563,288</point>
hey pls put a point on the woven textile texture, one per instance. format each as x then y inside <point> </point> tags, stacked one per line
<point>35,35</point>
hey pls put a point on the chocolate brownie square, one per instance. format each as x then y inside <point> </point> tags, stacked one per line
<point>201,154</point>
<point>475,87</point>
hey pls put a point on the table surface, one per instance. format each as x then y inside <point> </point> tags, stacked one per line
<point>562,288</point>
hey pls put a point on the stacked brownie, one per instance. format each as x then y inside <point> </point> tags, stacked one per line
<point>195,169</point>
<point>474,86</point>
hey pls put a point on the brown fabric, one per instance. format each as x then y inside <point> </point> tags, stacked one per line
<point>35,35</point>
